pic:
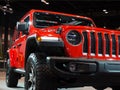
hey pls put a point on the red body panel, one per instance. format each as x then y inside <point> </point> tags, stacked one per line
<point>17,51</point>
<point>77,51</point>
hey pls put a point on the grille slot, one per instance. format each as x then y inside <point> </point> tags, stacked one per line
<point>100,43</point>
<point>113,45</point>
<point>107,44</point>
<point>85,45</point>
<point>93,42</point>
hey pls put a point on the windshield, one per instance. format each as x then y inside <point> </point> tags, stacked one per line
<point>42,20</point>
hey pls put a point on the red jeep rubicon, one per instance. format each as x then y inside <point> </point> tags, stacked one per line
<point>56,50</point>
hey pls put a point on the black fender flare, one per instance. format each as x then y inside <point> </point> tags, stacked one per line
<point>31,45</point>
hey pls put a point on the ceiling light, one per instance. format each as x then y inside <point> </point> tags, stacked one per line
<point>44,1</point>
<point>104,10</point>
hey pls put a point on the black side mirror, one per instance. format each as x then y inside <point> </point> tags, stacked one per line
<point>22,26</point>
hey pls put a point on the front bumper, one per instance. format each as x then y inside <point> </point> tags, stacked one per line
<point>83,72</point>
<point>82,66</point>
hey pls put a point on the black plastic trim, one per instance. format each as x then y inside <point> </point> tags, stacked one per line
<point>95,67</point>
<point>58,44</point>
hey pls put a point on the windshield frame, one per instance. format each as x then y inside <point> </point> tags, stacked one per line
<point>55,23</point>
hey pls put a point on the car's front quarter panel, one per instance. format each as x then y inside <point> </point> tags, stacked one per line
<point>12,54</point>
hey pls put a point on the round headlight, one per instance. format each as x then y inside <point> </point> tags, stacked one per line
<point>74,37</point>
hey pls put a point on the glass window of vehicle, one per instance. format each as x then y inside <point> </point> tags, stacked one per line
<point>42,20</point>
<point>26,19</point>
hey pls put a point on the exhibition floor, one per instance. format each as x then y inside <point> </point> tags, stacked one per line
<point>21,84</point>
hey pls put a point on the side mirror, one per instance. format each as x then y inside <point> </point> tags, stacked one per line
<point>22,26</point>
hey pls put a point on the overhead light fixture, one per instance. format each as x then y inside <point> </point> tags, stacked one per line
<point>6,8</point>
<point>105,11</point>
<point>46,2</point>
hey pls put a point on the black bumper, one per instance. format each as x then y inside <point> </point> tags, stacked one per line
<point>78,66</point>
<point>52,44</point>
<point>87,72</point>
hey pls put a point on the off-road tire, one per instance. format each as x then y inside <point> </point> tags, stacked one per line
<point>11,76</point>
<point>100,87</point>
<point>38,75</point>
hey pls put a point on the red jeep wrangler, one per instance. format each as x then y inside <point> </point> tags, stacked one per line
<point>56,50</point>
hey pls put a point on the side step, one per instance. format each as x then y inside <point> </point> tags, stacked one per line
<point>21,71</point>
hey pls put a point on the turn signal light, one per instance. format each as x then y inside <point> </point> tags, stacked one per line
<point>39,39</point>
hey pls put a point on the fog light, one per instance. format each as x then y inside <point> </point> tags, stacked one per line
<point>72,67</point>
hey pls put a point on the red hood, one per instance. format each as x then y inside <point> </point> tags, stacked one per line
<point>64,27</point>
<point>53,29</point>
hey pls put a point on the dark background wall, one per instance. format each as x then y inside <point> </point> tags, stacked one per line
<point>90,8</point>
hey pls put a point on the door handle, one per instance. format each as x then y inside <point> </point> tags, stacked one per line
<point>19,44</point>
<point>14,46</point>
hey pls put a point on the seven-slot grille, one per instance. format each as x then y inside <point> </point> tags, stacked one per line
<point>101,44</point>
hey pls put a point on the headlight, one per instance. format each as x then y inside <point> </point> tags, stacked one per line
<point>74,37</point>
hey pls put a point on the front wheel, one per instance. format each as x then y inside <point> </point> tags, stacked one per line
<point>100,88</point>
<point>38,75</point>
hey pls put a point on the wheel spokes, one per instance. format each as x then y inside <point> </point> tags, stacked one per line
<point>31,79</point>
